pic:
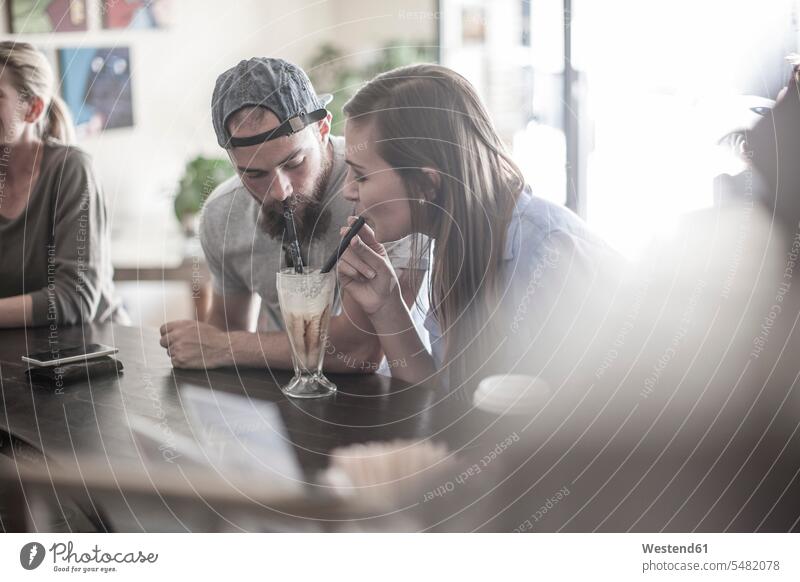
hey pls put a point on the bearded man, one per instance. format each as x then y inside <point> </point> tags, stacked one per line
<point>277,133</point>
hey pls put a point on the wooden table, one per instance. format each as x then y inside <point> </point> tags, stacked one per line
<point>91,419</point>
<point>616,471</point>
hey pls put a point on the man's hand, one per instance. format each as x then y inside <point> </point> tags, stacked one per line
<point>196,345</point>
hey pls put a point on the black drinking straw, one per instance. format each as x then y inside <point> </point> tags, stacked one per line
<point>334,258</point>
<point>291,234</point>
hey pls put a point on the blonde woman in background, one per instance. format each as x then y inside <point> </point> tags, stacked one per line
<point>511,272</point>
<point>55,264</point>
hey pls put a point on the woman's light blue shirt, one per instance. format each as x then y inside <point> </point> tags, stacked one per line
<point>544,242</point>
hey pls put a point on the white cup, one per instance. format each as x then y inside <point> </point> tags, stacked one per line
<point>511,394</point>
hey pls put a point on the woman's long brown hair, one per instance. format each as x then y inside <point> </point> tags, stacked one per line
<point>428,116</point>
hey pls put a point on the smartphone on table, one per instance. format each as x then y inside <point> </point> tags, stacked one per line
<point>69,355</point>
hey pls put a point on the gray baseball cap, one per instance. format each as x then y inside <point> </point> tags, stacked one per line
<point>278,85</point>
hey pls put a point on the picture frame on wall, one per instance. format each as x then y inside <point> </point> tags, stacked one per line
<point>137,14</point>
<point>46,16</point>
<point>96,86</point>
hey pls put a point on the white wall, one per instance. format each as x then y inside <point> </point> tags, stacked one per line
<point>173,74</point>
<point>359,26</point>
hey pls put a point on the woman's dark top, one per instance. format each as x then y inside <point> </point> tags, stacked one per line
<point>58,250</point>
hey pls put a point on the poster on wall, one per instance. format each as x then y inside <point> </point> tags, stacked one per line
<point>42,16</point>
<point>96,85</point>
<point>137,14</point>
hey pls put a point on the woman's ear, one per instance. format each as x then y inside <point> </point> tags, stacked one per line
<point>35,109</point>
<point>434,178</point>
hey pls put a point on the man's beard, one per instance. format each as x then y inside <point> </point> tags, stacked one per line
<point>311,216</point>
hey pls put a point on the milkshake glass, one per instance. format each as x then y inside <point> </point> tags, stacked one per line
<point>306,301</point>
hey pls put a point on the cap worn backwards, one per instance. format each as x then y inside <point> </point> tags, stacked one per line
<point>274,84</point>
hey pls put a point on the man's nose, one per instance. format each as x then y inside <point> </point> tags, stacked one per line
<point>280,188</point>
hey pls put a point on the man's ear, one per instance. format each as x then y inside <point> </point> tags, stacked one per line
<point>325,127</point>
<point>35,109</point>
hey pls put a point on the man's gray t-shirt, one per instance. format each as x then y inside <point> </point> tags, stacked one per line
<point>242,258</point>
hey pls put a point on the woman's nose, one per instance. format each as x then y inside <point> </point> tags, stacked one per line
<point>350,191</point>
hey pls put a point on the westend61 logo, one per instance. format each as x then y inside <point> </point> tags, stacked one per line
<point>65,559</point>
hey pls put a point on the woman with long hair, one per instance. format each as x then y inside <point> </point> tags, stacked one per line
<point>55,265</point>
<point>424,157</point>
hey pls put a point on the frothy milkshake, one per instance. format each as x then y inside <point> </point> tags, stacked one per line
<point>306,301</point>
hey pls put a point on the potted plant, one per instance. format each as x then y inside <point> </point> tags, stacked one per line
<point>199,179</point>
<point>332,71</point>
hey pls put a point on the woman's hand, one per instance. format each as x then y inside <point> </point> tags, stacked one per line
<point>366,274</point>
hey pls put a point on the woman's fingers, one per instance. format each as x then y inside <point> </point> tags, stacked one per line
<point>355,268</point>
<point>358,248</point>
<point>347,274</point>
<point>367,234</point>
<point>366,260</point>
<point>355,261</point>
<point>368,237</point>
